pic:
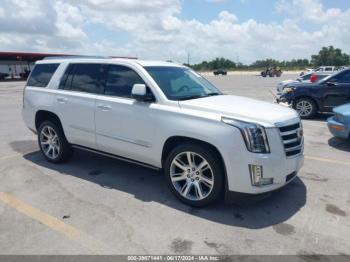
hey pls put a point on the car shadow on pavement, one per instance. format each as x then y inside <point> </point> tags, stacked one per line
<point>340,144</point>
<point>148,185</point>
<point>320,117</point>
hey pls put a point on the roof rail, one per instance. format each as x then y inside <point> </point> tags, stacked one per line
<point>76,57</point>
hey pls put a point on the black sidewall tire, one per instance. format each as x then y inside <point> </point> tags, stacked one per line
<point>313,111</point>
<point>66,149</point>
<point>215,164</point>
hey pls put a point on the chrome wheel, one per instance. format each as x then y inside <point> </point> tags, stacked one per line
<point>49,142</point>
<point>304,108</point>
<point>191,175</point>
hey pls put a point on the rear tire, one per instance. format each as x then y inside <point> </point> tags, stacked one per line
<point>53,143</point>
<point>305,107</point>
<point>194,174</point>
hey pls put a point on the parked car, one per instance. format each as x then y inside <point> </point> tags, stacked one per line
<point>12,77</point>
<point>308,78</point>
<point>163,116</point>
<point>220,71</point>
<point>339,124</point>
<point>330,69</point>
<point>322,96</point>
<point>3,76</point>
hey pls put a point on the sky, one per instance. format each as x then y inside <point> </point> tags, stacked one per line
<point>240,30</point>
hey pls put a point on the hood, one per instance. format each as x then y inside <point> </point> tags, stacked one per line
<point>298,84</point>
<point>242,108</point>
<point>285,82</point>
<point>343,109</point>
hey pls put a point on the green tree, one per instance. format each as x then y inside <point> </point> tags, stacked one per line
<point>330,56</point>
<point>215,64</point>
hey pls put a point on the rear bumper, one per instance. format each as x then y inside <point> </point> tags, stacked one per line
<point>338,129</point>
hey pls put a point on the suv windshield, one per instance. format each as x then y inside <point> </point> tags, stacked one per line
<point>180,83</point>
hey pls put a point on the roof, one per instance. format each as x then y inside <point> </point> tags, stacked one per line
<point>108,60</point>
<point>32,57</point>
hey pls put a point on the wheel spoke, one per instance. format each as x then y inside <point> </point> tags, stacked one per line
<point>206,181</point>
<point>180,164</point>
<point>44,143</point>
<point>178,177</point>
<point>203,166</point>
<point>54,153</point>
<point>51,132</point>
<point>185,189</point>
<point>190,158</point>
<point>198,189</point>
<point>44,132</point>
<point>50,148</point>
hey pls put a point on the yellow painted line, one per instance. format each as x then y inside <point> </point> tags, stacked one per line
<point>15,155</point>
<point>55,224</point>
<point>326,160</point>
<point>9,156</point>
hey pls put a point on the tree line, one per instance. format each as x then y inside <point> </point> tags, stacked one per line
<point>326,56</point>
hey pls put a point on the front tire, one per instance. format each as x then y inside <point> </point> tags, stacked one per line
<point>194,174</point>
<point>53,143</point>
<point>305,107</point>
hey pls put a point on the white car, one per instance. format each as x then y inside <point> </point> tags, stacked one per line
<point>328,69</point>
<point>164,116</point>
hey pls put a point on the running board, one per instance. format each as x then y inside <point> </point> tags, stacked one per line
<point>115,157</point>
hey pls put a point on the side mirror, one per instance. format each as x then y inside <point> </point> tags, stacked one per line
<point>139,92</point>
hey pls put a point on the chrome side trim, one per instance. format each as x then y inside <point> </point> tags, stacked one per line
<point>127,140</point>
<point>116,157</point>
<point>81,129</point>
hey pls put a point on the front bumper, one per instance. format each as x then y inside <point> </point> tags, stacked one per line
<point>276,165</point>
<point>282,172</point>
<point>283,101</point>
<point>338,129</point>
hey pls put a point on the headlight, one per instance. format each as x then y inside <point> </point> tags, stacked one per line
<point>288,89</point>
<point>339,118</point>
<point>254,135</point>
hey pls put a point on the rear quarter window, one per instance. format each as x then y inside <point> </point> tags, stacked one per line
<point>41,75</point>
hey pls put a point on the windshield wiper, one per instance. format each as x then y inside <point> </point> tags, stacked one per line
<point>199,96</point>
<point>213,94</point>
<point>190,97</point>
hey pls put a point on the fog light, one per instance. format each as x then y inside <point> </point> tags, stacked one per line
<point>256,176</point>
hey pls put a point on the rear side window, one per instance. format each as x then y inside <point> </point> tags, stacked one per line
<point>86,78</point>
<point>344,77</point>
<point>42,74</point>
<point>120,81</point>
<point>306,77</point>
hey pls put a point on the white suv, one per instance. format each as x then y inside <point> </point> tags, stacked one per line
<point>164,116</point>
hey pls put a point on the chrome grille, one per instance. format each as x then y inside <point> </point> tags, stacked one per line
<point>292,139</point>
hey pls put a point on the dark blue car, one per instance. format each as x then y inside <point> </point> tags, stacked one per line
<point>308,99</point>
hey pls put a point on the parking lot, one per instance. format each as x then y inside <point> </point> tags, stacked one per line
<point>97,205</point>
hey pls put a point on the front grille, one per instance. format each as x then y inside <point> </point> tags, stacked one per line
<point>292,139</point>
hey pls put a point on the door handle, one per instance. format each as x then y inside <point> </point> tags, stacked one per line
<point>62,100</point>
<point>104,107</point>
